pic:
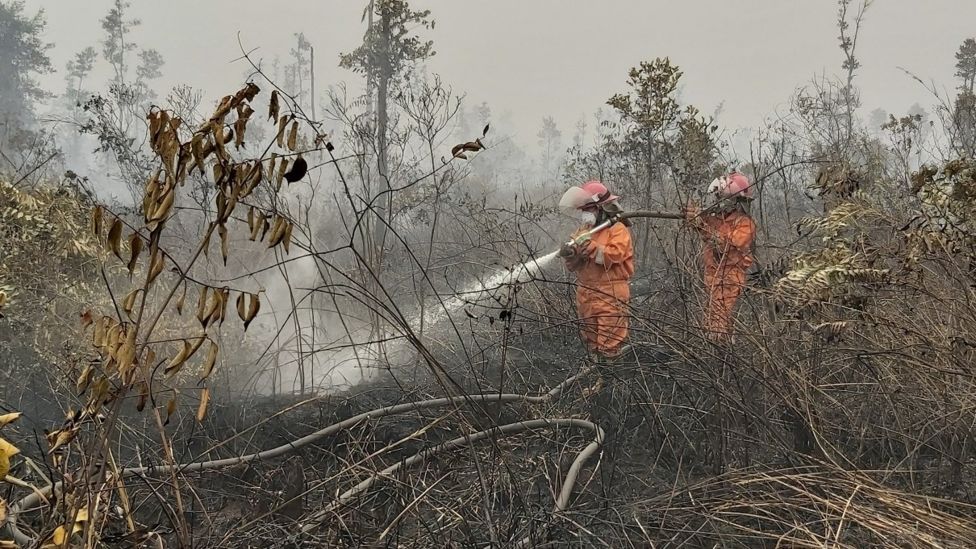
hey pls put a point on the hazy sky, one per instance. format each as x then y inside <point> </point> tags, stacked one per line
<point>563,58</point>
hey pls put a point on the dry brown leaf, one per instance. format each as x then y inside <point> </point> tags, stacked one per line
<point>127,354</point>
<point>208,364</point>
<point>281,173</point>
<point>177,361</point>
<point>170,408</point>
<point>241,306</point>
<point>115,238</point>
<point>59,438</point>
<point>129,302</point>
<point>84,378</point>
<point>240,125</point>
<point>277,231</point>
<point>143,396</point>
<point>224,247</point>
<point>196,146</point>
<point>158,262</point>
<point>224,300</point>
<point>160,212</point>
<point>135,248</point>
<point>96,225</point>
<point>259,222</point>
<point>98,334</point>
<point>282,124</point>
<point>202,302</point>
<point>252,310</point>
<point>182,162</point>
<point>271,167</point>
<point>254,177</point>
<point>204,400</point>
<point>181,300</point>
<point>286,241</point>
<point>273,107</point>
<point>293,136</point>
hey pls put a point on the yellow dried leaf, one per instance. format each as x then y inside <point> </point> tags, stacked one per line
<point>60,536</point>
<point>204,400</point>
<point>7,451</point>
<point>6,419</point>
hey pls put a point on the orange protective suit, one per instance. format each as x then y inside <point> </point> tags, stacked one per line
<point>603,271</point>
<point>728,255</point>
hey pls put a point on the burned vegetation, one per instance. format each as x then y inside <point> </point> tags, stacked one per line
<point>353,324</point>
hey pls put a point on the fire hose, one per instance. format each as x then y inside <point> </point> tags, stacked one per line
<point>615,219</point>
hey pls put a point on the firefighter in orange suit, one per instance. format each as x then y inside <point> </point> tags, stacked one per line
<point>727,233</point>
<point>603,264</point>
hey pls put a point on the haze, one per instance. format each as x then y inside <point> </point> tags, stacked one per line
<point>559,58</point>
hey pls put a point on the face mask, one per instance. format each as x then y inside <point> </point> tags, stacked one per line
<point>588,218</point>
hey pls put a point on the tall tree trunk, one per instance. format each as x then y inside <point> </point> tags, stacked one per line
<point>384,205</point>
<point>311,71</point>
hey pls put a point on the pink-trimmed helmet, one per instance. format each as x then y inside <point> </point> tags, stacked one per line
<point>587,195</point>
<point>733,184</point>
<point>598,191</point>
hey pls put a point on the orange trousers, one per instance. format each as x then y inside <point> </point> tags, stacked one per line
<point>724,286</point>
<point>602,310</point>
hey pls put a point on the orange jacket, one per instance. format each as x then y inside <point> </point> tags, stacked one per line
<point>610,256</point>
<point>728,240</point>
